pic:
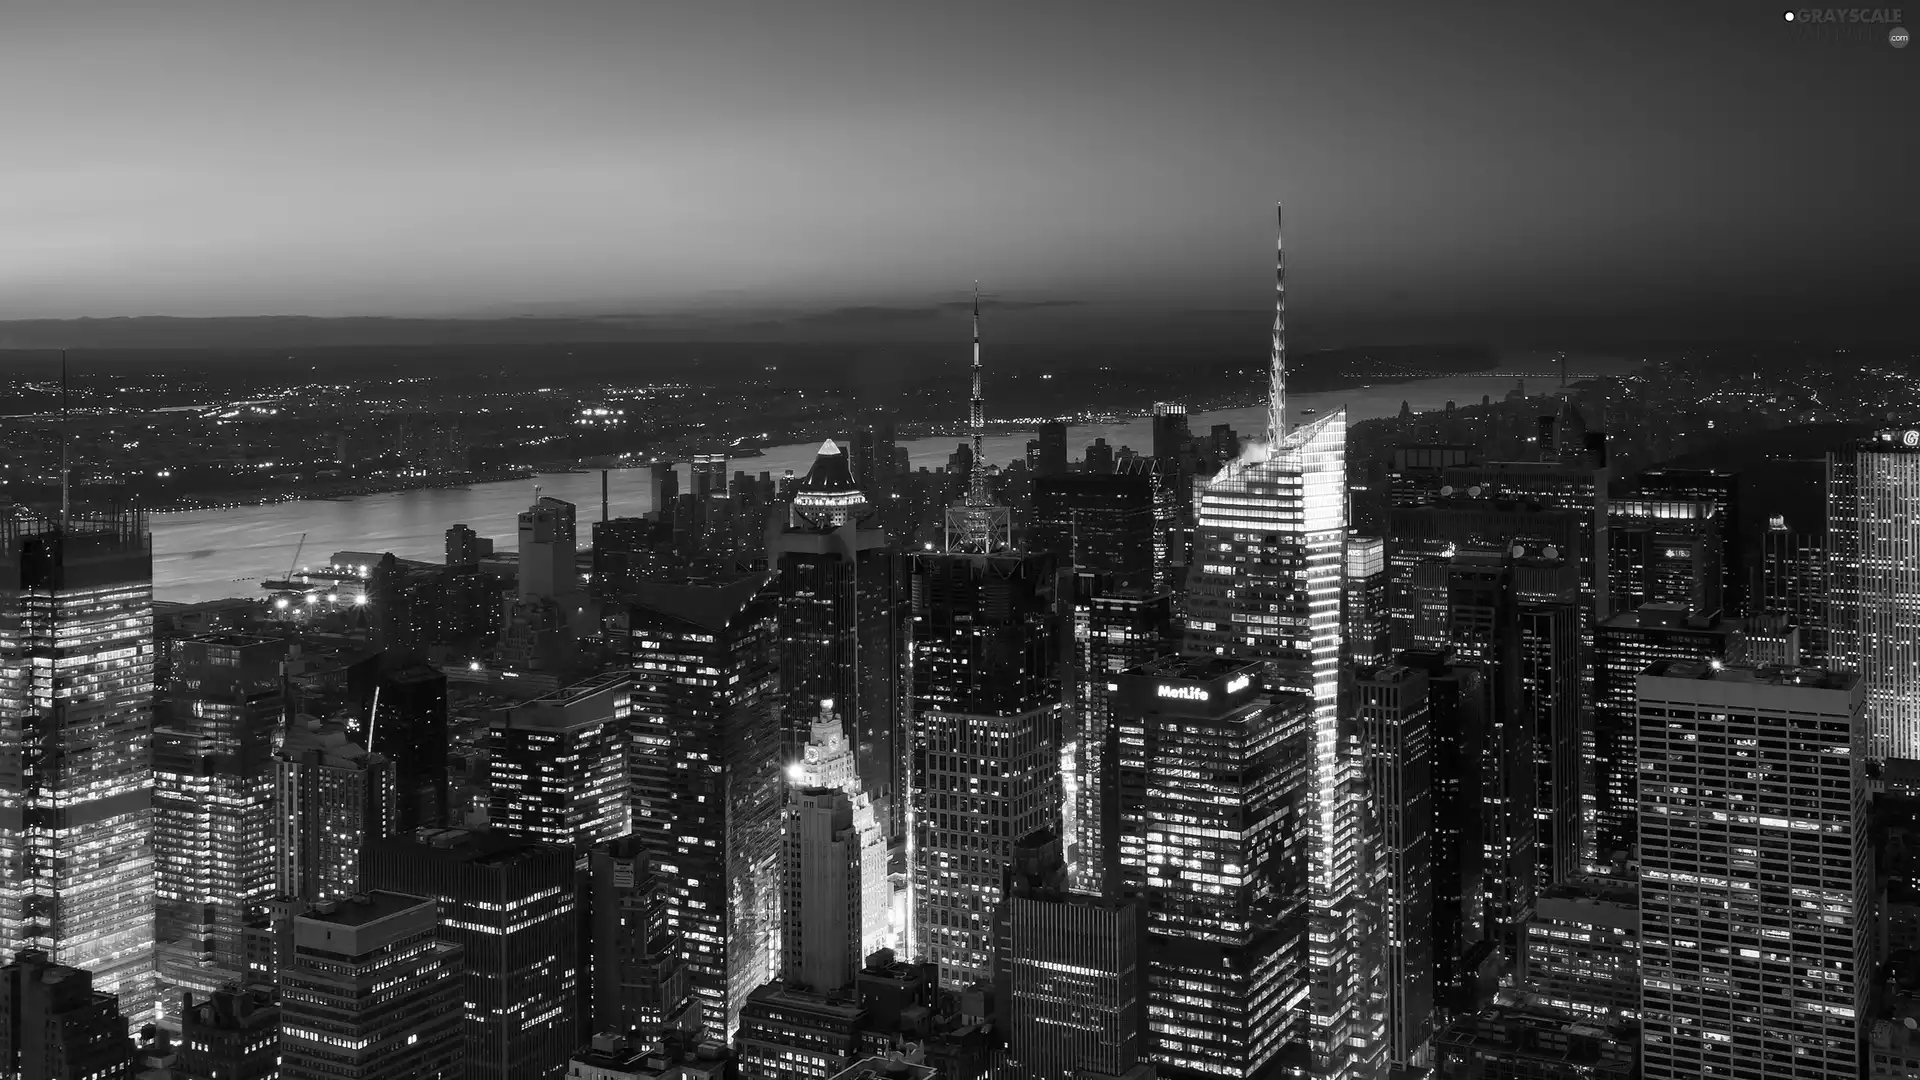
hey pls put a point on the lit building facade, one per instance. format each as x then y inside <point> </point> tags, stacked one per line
<point>1665,551</point>
<point>76,719</point>
<point>213,808</point>
<point>1756,879</point>
<point>557,765</point>
<point>1368,625</point>
<point>1792,581</point>
<point>1583,950</point>
<point>1116,626</point>
<point>838,894</point>
<point>986,741</point>
<point>1873,615</point>
<point>704,768</point>
<point>1214,783</point>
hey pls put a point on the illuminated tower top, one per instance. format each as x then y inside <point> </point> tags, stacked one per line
<point>1277,376</point>
<point>977,483</point>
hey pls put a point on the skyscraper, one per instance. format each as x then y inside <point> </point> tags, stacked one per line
<point>548,552</point>
<point>977,523</point>
<point>76,716</point>
<point>213,831</point>
<point>557,765</point>
<point>1755,878</point>
<point>1215,787</point>
<point>639,981</point>
<point>1791,580</point>
<point>510,906</point>
<point>1873,544</point>
<point>838,896</point>
<point>1100,522</point>
<point>1391,707</point>
<point>1367,629</point>
<point>331,800</point>
<point>404,702</point>
<point>704,768</point>
<point>369,994</point>
<point>841,605</point>
<point>986,742</point>
<point>1269,563</point>
<point>54,1024</point>
<point>1070,970</point>
<point>1665,551</point>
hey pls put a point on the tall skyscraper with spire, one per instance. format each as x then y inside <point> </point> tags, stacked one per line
<point>975,524</point>
<point>1269,558</point>
<point>985,714</point>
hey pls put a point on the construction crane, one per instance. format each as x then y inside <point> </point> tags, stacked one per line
<point>295,564</point>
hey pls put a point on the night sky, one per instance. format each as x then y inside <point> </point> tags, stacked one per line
<point>571,157</point>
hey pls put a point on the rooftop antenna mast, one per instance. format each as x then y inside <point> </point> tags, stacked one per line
<point>975,523</point>
<point>977,494</point>
<point>1277,376</point>
<point>66,468</point>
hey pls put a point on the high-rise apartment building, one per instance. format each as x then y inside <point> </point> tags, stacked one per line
<point>1214,782</point>
<point>1367,623</point>
<point>1390,705</point>
<point>1070,970</point>
<point>213,812</point>
<point>76,723</point>
<point>704,767</point>
<point>369,993</point>
<point>1756,880</point>
<point>55,1025</point>
<point>1116,626</point>
<point>1873,613</point>
<point>986,742</point>
<point>331,800</point>
<point>511,907</point>
<point>557,765</point>
<point>1625,646</point>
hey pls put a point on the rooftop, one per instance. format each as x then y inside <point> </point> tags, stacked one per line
<point>363,908</point>
<point>1767,674</point>
<point>710,605</point>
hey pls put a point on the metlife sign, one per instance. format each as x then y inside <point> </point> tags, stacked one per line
<point>1182,693</point>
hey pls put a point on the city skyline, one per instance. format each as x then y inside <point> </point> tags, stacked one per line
<point>858,164</point>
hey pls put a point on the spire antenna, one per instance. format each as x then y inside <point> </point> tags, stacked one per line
<point>974,523</point>
<point>66,465</point>
<point>1277,377</point>
<point>977,493</point>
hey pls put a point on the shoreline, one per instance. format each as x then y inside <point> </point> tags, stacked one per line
<point>336,493</point>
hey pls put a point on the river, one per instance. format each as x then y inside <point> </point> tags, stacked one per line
<point>201,555</point>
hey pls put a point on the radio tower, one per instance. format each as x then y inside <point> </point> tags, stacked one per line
<point>975,524</point>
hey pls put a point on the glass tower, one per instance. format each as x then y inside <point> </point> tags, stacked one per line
<point>1873,547</point>
<point>76,728</point>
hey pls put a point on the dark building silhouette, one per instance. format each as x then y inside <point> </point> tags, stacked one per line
<point>639,981</point>
<point>403,701</point>
<point>1100,522</point>
<point>511,908</point>
<point>1051,459</point>
<point>55,1026</point>
<point>232,1035</point>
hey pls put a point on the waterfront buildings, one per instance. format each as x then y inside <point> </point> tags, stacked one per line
<point>1756,878</point>
<point>76,720</point>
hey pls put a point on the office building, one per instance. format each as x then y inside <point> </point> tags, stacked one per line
<point>548,552</point>
<point>704,767</point>
<point>1269,567</point>
<point>709,475</point>
<point>639,982</point>
<point>511,907</point>
<point>986,742</point>
<point>841,607</point>
<point>838,896</point>
<point>1873,612</point>
<point>789,1034</point>
<point>827,495</point>
<point>1099,522</point>
<point>626,552</point>
<point>557,765</point>
<point>466,547</point>
<point>1722,490</point>
<point>55,1025</point>
<point>1755,879</point>
<point>232,1035</point>
<point>1171,433</point>
<point>1214,778</point>
<point>78,597</point>
<point>1390,705</point>
<point>1051,440</point>
<point>213,816</point>
<point>1791,581</point>
<point>1665,551</point>
<point>369,993</point>
<point>671,1056</point>
<point>1367,623</point>
<point>1117,626</point>
<point>1625,646</point>
<point>1070,970</point>
<point>331,800</point>
<point>1583,950</point>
